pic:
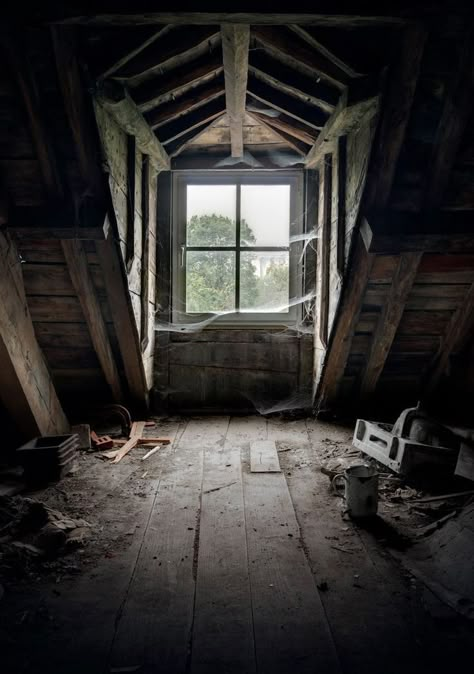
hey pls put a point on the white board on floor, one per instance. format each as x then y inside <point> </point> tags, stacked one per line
<point>264,457</point>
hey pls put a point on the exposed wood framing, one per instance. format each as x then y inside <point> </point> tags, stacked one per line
<point>26,388</point>
<point>292,81</point>
<point>456,111</point>
<point>357,105</point>
<point>289,126</point>
<point>125,327</point>
<point>235,51</point>
<point>177,81</point>
<point>307,113</point>
<point>187,103</point>
<point>341,203</point>
<point>111,65</point>
<point>114,98</point>
<point>389,319</point>
<point>23,76</point>
<point>460,329</point>
<point>397,104</point>
<point>79,272</point>
<point>287,138</point>
<point>329,55</point>
<point>325,247</point>
<point>192,120</point>
<point>284,41</point>
<point>348,315</point>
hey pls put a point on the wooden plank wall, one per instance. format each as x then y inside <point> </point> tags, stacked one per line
<point>134,196</point>
<point>345,166</point>
<point>235,369</point>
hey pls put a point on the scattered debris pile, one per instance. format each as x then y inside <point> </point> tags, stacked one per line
<point>33,535</point>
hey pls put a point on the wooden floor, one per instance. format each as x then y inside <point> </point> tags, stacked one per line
<point>230,571</point>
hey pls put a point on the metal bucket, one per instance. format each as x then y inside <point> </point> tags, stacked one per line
<point>361,486</point>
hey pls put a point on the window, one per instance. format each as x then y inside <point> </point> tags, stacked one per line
<point>234,254</point>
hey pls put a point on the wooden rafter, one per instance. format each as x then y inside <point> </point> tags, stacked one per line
<point>175,48</point>
<point>333,14</point>
<point>293,82</point>
<point>359,102</point>
<point>389,319</point>
<point>287,138</point>
<point>460,328</point>
<point>283,41</point>
<point>235,51</point>
<point>114,98</point>
<point>457,108</point>
<point>23,76</point>
<point>348,315</point>
<point>316,44</point>
<point>80,276</point>
<point>398,99</point>
<point>203,115</point>
<point>288,125</point>
<point>187,103</point>
<point>177,81</point>
<point>178,145</point>
<point>292,106</point>
<point>110,63</point>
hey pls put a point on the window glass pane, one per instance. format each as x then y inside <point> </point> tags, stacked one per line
<point>264,281</point>
<point>210,215</point>
<point>210,281</point>
<point>265,215</point>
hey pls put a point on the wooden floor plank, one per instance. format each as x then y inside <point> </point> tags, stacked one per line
<point>223,630</point>
<point>155,627</point>
<point>291,631</point>
<point>264,457</point>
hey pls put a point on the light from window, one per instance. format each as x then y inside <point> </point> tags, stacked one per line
<point>236,255</point>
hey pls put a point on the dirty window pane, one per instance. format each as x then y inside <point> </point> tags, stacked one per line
<point>210,281</point>
<point>265,215</point>
<point>210,215</point>
<point>264,281</point>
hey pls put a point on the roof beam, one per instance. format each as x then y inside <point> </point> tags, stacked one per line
<point>115,99</point>
<point>282,40</point>
<point>459,329</point>
<point>316,44</point>
<point>203,115</point>
<point>287,138</point>
<point>235,51</point>
<point>389,319</point>
<point>454,119</point>
<point>175,48</point>
<point>359,102</point>
<point>23,77</point>
<point>178,145</point>
<point>397,104</point>
<point>194,99</point>
<point>26,388</point>
<point>330,14</point>
<point>111,62</point>
<point>177,81</point>
<point>293,82</point>
<point>294,107</point>
<point>288,125</point>
<point>78,268</point>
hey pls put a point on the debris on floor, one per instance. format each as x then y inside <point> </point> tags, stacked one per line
<point>32,533</point>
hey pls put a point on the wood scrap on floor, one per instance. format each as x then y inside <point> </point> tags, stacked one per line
<point>264,457</point>
<point>151,452</point>
<point>135,434</point>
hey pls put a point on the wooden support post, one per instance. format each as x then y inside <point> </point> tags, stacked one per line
<point>325,247</point>
<point>114,98</point>
<point>358,104</point>
<point>460,328</point>
<point>235,50</point>
<point>389,319</point>
<point>348,315</point>
<point>125,326</point>
<point>26,388</point>
<point>79,271</point>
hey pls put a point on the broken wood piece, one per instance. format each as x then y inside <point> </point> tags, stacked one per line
<point>151,452</point>
<point>444,497</point>
<point>145,441</point>
<point>135,435</point>
<point>110,455</point>
<point>264,457</point>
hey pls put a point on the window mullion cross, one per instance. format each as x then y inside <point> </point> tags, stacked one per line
<point>237,250</point>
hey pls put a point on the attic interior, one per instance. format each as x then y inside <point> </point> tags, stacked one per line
<point>236,338</point>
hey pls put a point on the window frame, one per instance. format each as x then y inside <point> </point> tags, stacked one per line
<point>181,179</point>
